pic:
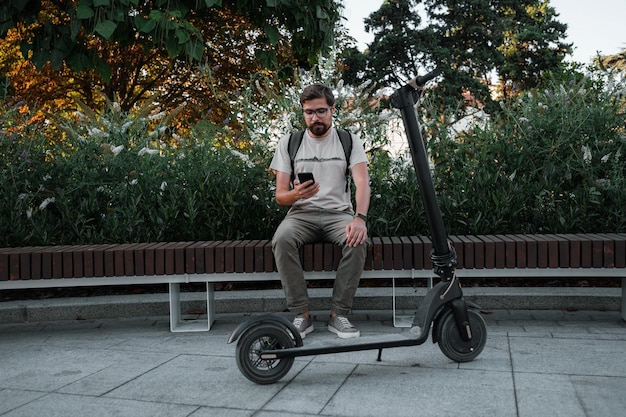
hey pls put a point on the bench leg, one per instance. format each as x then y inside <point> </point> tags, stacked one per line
<point>174,291</point>
<point>399,320</point>
<point>624,299</point>
<point>210,304</point>
<point>178,324</point>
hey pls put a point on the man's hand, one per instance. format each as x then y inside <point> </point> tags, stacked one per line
<point>356,232</point>
<point>305,190</point>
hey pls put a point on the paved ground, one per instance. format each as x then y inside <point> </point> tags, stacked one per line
<point>536,363</point>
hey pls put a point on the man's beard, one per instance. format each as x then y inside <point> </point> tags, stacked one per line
<point>319,128</point>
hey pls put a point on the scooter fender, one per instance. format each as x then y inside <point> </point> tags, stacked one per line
<point>266,319</point>
<point>445,310</point>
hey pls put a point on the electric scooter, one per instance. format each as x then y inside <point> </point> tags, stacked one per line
<point>267,344</point>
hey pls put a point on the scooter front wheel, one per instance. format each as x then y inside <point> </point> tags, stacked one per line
<point>452,344</point>
<point>256,340</point>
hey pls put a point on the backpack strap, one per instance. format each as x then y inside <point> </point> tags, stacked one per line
<point>292,147</point>
<point>346,141</point>
<point>295,140</point>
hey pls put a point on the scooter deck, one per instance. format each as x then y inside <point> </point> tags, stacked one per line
<point>412,337</point>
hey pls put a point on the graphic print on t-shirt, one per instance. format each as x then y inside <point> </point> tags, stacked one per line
<point>316,159</point>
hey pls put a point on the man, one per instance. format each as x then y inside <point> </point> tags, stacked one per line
<point>321,210</point>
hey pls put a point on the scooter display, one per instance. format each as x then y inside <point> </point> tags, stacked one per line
<point>267,344</point>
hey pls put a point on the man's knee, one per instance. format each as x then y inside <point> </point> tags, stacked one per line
<point>284,238</point>
<point>356,253</point>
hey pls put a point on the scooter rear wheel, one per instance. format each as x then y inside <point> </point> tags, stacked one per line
<point>263,338</point>
<point>452,344</point>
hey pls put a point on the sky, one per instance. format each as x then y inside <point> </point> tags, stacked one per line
<point>591,25</point>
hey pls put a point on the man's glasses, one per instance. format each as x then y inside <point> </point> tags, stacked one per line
<point>319,112</point>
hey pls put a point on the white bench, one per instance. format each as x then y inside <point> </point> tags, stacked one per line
<point>568,256</point>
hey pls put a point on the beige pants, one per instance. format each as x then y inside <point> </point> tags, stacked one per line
<point>308,226</point>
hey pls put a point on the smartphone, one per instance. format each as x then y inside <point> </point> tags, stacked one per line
<point>305,176</point>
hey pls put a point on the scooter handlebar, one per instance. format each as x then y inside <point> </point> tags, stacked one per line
<point>420,81</point>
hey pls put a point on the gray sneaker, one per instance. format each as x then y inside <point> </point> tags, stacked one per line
<point>303,324</point>
<point>341,326</point>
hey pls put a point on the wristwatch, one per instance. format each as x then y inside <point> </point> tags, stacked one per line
<point>361,216</point>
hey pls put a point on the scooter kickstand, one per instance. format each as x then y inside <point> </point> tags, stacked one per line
<point>380,354</point>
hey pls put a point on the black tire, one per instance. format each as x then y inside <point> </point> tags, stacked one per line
<point>457,349</point>
<point>262,338</point>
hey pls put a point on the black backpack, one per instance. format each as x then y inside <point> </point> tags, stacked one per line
<point>295,140</point>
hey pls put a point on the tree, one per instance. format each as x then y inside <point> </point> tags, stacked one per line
<point>400,48</point>
<point>470,40</point>
<point>66,27</point>
<point>134,63</point>
<point>532,46</point>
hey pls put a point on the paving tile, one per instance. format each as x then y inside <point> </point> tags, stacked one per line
<point>311,389</point>
<point>569,356</point>
<point>60,405</point>
<point>11,399</point>
<point>535,363</point>
<point>202,381</point>
<point>398,392</point>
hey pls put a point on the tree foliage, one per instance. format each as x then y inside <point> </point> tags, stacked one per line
<point>56,50</point>
<point>471,40</point>
<point>66,27</point>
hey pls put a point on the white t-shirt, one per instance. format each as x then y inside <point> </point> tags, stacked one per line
<point>326,159</point>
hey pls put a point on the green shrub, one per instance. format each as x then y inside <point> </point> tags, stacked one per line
<point>100,179</point>
<point>552,162</point>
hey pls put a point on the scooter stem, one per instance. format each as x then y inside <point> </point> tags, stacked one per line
<point>443,254</point>
<point>404,99</point>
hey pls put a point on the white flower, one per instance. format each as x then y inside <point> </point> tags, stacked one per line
<point>254,197</point>
<point>586,154</point>
<point>524,120</point>
<point>243,158</point>
<point>94,131</point>
<point>145,150</point>
<point>134,181</point>
<point>158,131</point>
<point>606,157</point>
<point>45,203</point>
<point>126,125</point>
<point>29,213</point>
<point>156,116</point>
<point>117,149</point>
<point>163,186</point>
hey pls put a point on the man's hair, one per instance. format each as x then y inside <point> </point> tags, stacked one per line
<point>317,91</point>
